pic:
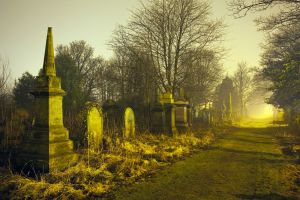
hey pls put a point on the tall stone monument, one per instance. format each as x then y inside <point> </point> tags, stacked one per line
<point>48,148</point>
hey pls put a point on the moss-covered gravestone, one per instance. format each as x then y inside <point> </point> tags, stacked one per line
<point>129,123</point>
<point>48,148</point>
<point>94,126</point>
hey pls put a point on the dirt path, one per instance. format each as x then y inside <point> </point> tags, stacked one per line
<point>244,165</point>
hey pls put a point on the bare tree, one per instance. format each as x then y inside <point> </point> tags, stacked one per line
<point>243,83</point>
<point>204,73</point>
<point>82,54</point>
<point>288,12</point>
<point>4,74</point>
<point>5,95</point>
<point>167,30</point>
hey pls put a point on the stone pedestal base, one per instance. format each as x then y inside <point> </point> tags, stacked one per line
<point>47,150</point>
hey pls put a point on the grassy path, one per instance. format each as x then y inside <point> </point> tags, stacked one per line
<point>244,165</point>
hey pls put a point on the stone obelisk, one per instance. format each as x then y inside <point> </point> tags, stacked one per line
<point>48,147</point>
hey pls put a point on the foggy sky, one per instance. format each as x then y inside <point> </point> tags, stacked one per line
<point>23,25</point>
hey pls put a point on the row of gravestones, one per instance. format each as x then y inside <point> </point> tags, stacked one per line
<point>95,123</point>
<point>167,116</point>
<point>48,146</point>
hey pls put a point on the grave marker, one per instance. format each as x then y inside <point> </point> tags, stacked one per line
<point>48,148</point>
<point>129,123</point>
<point>94,129</point>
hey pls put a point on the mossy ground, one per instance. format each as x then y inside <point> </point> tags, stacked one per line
<point>96,175</point>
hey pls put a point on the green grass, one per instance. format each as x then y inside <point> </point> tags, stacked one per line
<point>247,164</point>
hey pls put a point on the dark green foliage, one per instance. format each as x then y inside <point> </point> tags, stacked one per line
<point>70,81</point>
<point>21,92</point>
<point>285,77</point>
<point>286,82</point>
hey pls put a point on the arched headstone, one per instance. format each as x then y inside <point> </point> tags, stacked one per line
<point>94,126</point>
<point>129,123</point>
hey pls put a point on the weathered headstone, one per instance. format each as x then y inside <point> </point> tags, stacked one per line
<point>112,118</point>
<point>48,148</point>
<point>157,118</point>
<point>129,123</point>
<point>170,118</point>
<point>181,115</point>
<point>163,115</point>
<point>169,108</point>
<point>94,126</point>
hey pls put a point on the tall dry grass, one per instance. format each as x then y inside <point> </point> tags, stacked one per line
<point>120,162</point>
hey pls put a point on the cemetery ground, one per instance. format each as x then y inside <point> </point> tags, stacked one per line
<point>245,162</point>
<point>120,162</point>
